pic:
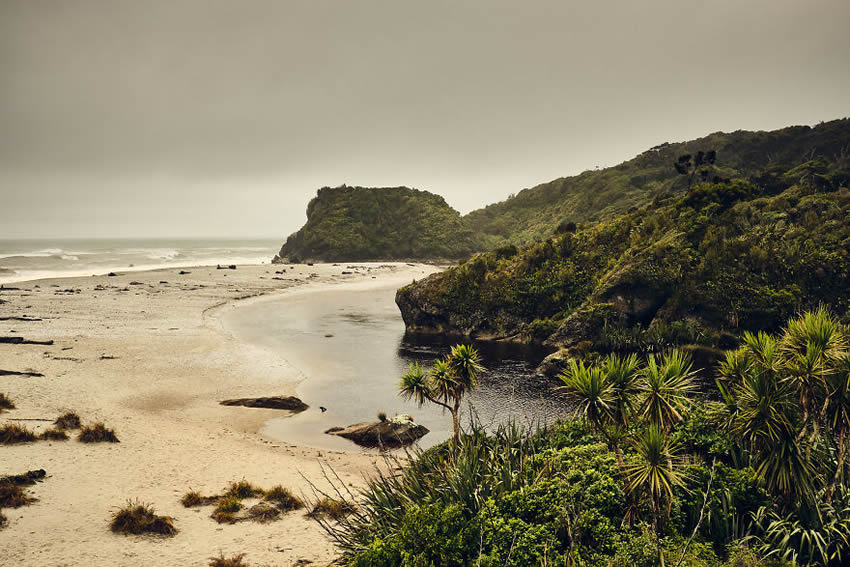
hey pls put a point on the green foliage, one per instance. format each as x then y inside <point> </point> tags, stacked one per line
<point>360,223</point>
<point>536,213</point>
<point>446,383</point>
<point>698,266</point>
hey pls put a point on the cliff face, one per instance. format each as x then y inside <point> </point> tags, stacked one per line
<point>361,223</point>
<point>695,267</point>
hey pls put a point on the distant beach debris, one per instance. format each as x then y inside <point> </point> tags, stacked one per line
<point>290,403</point>
<point>229,267</point>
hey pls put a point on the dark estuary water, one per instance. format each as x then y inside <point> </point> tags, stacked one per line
<point>351,348</point>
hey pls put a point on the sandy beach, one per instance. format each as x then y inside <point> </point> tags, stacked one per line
<point>145,353</point>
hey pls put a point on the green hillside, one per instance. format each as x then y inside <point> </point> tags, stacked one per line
<point>362,223</point>
<point>695,267</point>
<point>536,212</point>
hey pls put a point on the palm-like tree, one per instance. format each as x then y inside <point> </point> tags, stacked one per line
<point>446,383</point>
<point>655,471</point>
<point>838,414</point>
<point>811,346</point>
<point>667,385</point>
<point>604,396</point>
<point>590,390</point>
<point>623,373</point>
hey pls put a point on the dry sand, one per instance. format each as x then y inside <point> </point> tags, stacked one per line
<point>144,353</point>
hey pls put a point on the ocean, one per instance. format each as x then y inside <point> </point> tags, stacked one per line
<point>22,260</point>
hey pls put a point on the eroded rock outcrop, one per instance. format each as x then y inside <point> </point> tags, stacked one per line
<point>393,432</point>
<point>290,403</point>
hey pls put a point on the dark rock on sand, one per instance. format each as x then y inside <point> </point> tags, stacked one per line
<point>23,341</point>
<point>290,403</point>
<point>394,432</point>
<point>24,373</point>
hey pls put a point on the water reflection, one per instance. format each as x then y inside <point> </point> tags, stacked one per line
<point>351,347</point>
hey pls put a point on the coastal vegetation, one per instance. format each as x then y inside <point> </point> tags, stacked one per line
<point>137,518</point>
<point>652,469</point>
<point>11,434</point>
<point>97,433</point>
<point>696,266</point>
<point>446,383</point>
<point>68,420</point>
<point>237,560</point>
<point>359,223</point>
<point>6,403</point>
<point>229,504</point>
<point>387,223</point>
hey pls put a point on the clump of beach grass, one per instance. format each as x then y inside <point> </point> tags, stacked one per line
<point>55,434</point>
<point>263,513</point>
<point>226,508</point>
<point>12,433</point>
<point>97,433</point>
<point>332,508</point>
<point>233,561</point>
<point>244,489</point>
<point>192,498</point>
<point>68,420</point>
<point>6,403</point>
<point>138,518</point>
<point>13,496</point>
<point>283,499</point>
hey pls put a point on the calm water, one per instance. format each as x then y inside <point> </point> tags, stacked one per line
<point>30,259</point>
<point>355,372</point>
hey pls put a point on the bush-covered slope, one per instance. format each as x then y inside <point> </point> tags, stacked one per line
<point>536,212</point>
<point>694,268</point>
<point>362,223</point>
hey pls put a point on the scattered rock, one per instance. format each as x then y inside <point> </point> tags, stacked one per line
<point>183,272</point>
<point>394,432</point>
<point>290,403</point>
<point>111,274</point>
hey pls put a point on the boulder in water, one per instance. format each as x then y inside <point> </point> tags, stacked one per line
<point>393,432</point>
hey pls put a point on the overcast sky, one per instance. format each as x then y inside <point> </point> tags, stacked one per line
<point>222,118</point>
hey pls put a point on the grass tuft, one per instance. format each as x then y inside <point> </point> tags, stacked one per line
<point>54,435</point>
<point>11,433</point>
<point>13,496</point>
<point>191,498</point>
<point>97,433</point>
<point>222,561</point>
<point>332,508</point>
<point>224,517</point>
<point>244,489</point>
<point>137,518</point>
<point>5,403</point>
<point>283,499</point>
<point>229,504</point>
<point>263,513</point>
<point>68,420</point>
